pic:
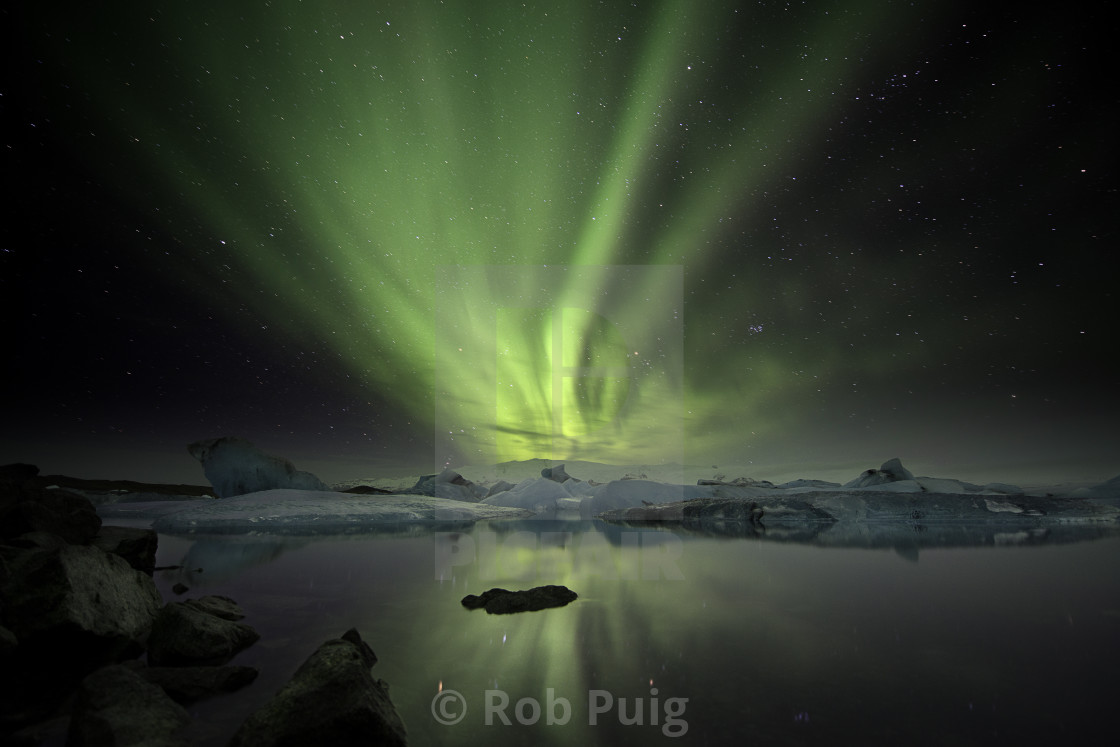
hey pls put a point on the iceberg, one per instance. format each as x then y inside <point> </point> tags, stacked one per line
<point>285,511</point>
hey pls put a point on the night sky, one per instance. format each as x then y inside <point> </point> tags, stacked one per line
<point>854,231</point>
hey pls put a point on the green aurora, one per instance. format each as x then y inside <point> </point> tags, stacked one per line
<point>325,172</point>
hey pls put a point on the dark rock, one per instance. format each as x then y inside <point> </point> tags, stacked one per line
<point>72,609</point>
<point>187,633</point>
<point>180,588</point>
<point>116,707</point>
<point>217,605</point>
<point>29,509</point>
<point>122,490</point>
<point>504,602</point>
<point>18,472</point>
<point>739,482</point>
<point>135,544</point>
<point>14,547</point>
<point>8,642</point>
<point>78,597</point>
<point>191,684</point>
<point>331,699</point>
<point>369,490</point>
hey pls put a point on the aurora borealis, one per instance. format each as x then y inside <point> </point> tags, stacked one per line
<point>880,229</point>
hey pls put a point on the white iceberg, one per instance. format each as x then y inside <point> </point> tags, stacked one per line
<point>319,512</point>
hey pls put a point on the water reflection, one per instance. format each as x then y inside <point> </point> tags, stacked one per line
<point>992,637</point>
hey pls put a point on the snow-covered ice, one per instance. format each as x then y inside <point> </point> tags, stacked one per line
<point>889,494</point>
<point>318,512</point>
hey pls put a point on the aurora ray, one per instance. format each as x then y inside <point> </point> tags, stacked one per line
<point>303,169</point>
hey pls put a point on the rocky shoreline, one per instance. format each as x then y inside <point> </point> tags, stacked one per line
<point>89,647</point>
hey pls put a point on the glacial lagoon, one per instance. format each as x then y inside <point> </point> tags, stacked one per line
<point>684,638</point>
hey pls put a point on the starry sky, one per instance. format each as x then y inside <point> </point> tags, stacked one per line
<point>372,233</point>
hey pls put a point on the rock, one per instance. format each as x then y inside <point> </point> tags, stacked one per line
<point>18,472</point>
<point>188,632</point>
<point>8,642</point>
<point>219,606</point>
<point>191,684</point>
<point>891,471</point>
<point>739,482</point>
<point>30,509</point>
<point>331,699</point>
<point>368,490</point>
<point>117,707</point>
<point>504,602</point>
<point>135,544</point>
<point>79,599</point>
<point>235,467</point>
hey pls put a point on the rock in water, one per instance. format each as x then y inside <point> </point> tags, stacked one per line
<point>235,467</point>
<point>331,699</point>
<point>116,706</point>
<point>504,602</point>
<point>190,684</point>
<point>198,631</point>
<point>135,544</point>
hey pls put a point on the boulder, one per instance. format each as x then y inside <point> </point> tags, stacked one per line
<point>235,467</point>
<point>331,699</point>
<point>189,632</point>
<point>30,509</point>
<point>18,472</point>
<point>135,544</point>
<point>504,602</point>
<point>8,642</point>
<point>217,605</point>
<point>115,707</point>
<point>190,684</point>
<point>80,599</point>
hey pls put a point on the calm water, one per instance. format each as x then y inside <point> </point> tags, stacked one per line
<point>713,640</point>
